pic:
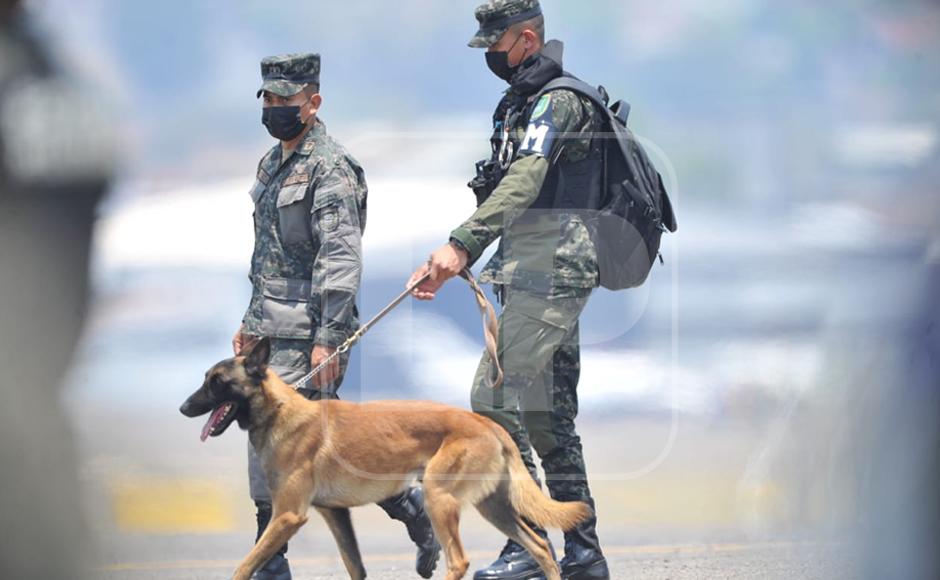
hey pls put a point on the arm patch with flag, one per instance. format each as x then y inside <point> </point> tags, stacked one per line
<point>542,130</point>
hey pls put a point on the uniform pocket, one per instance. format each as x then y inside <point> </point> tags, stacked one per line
<point>293,216</point>
<point>284,308</point>
<point>531,328</point>
<point>527,343</point>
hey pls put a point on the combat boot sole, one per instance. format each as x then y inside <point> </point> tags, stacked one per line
<point>531,575</point>
<point>598,570</point>
<point>277,568</point>
<point>425,566</point>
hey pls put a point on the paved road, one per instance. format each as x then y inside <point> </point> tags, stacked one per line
<point>166,507</point>
<point>677,562</point>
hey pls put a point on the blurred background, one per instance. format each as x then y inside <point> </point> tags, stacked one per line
<point>768,399</point>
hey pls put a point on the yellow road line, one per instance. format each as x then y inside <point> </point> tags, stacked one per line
<point>206,506</point>
<point>172,506</point>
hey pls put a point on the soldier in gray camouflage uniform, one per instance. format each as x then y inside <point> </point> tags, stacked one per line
<point>544,153</point>
<point>310,213</point>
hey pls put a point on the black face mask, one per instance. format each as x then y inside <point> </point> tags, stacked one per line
<point>499,62</point>
<point>283,123</point>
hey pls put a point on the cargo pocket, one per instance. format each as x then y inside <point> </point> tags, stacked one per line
<point>529,329</point>
<point>293,216</point>
<point>284,308</point>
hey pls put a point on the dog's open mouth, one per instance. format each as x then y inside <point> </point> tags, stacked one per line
<point>219,420</point>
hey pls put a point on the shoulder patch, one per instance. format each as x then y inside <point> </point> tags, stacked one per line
<point>542,106</point>
<point>542,130</point>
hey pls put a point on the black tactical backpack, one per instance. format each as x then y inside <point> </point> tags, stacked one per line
<point>629,217</point>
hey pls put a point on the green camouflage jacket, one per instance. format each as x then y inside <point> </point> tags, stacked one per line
<point>310,213</point>
<point>543,250</point>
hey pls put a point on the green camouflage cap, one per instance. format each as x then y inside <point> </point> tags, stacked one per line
<point>286,74</point>
<point>496,16</point>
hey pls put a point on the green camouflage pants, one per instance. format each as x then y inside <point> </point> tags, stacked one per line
<point>538,401</point>
<point>290,359</point>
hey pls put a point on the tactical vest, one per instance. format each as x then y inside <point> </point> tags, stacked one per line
<point>568,185</point>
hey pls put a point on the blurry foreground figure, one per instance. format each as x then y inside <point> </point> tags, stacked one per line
<point>54,165</point>
<point>901,519</point>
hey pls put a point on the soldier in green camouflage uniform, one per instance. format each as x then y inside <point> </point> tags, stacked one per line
<point>545,268</point>
<point>310,213</point>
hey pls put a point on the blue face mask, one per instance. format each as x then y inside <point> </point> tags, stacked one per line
<point>283,123</point>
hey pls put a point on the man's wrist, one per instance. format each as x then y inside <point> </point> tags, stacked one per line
<point>461,249</point>
<point>463,240</point>
<point>329,338</point>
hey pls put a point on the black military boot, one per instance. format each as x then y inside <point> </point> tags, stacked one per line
<point>408,507</point>
<point>583,557</point>
<point>514,563</point>
<point>277,568</point>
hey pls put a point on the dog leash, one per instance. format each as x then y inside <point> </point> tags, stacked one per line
<point>494,375</point>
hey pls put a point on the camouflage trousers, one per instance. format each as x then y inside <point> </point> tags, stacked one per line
<point>290,359</point>
<point>538,401</point>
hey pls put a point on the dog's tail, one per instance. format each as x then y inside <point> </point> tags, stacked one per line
<point>528,499</point>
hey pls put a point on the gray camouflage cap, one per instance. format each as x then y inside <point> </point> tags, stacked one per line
<point>286,74</point>
<point>496,16</point>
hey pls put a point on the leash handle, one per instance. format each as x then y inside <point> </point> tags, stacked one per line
<point>494,375</point>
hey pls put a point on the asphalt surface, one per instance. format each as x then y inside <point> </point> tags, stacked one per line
<point>783,560</point>
<point>163,506</point>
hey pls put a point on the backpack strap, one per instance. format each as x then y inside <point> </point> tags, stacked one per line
<point>572,83</point>
<point>615,116</point>
<point>598,96</point>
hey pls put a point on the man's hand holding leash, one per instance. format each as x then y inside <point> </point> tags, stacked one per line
<point>330,372</point>
<point>445,263</point>
<point>243,342</point>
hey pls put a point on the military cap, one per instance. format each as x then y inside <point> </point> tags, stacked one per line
<point>286,74</point>
<point>496,16</point>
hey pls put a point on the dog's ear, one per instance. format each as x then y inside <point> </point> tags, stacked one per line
<point>256,361</point>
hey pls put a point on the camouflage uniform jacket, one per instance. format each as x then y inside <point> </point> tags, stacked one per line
<point>310,213</point>
<point>546,250</point>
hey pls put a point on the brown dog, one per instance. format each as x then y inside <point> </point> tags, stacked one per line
<point>335,455</point>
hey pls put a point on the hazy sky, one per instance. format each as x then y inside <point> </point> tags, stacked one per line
<point>742,94</point>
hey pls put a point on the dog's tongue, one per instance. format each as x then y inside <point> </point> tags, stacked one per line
<point>213,419</point>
